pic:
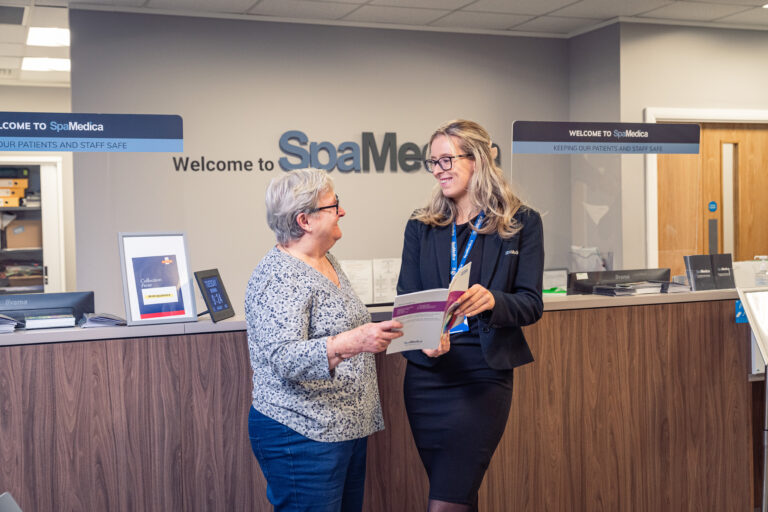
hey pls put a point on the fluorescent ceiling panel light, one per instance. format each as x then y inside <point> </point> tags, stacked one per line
<point>44,64</point>
<point>43,36</point>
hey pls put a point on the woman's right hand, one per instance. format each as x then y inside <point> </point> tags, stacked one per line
<point>445,346</point>
<point>371,337</point>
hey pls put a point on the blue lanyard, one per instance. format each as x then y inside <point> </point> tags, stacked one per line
<point>454,245</point>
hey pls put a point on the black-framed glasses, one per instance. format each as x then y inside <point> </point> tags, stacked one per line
<point>444,162</point>
<point>329,206</point>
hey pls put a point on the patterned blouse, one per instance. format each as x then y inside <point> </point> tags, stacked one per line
<point>291,309</point>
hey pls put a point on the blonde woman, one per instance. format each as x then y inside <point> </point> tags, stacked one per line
<point>458,396</point>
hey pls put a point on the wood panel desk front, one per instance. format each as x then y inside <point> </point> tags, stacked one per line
<point>633,407</point>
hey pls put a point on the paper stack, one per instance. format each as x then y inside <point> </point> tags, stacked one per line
<point>101,320</point>
<point>7,324</point>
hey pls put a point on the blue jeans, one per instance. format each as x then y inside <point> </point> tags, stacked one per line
<point>307,475</point>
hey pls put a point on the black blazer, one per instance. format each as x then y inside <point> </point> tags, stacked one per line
<point>512,271</point>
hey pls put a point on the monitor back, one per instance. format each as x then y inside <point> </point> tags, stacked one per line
<point>68,303</point>
<point>583,282</point>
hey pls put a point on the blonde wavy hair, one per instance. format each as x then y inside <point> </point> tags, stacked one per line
<point>488,190</point>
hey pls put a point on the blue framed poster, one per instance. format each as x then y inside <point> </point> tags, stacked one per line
<point>157,285</point>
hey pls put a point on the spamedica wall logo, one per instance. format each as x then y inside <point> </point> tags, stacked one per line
<point>379,155</point>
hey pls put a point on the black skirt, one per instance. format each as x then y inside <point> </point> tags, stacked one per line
<point>458,411</point>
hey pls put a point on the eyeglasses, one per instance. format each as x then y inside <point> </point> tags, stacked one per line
<point>328,207</point>
<point>445,162</point>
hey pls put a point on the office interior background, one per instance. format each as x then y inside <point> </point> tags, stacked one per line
<point>641,405</point>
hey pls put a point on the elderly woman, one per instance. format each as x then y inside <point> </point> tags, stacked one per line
<point>315,396</point>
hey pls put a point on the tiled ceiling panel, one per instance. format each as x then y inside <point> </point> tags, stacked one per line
<point>553,25</point>
<point>694,11</point>
<point>11,49</point>
<point>54,17</point>
<point>427,4</point>
<point>536,7</point>
<point>606,9</point>
<point>544,18</point>
<point>229,6</point>
<point>302,9</point>
<point>13,34</point>
<point>755,16</point>
<point>395,15</point>
<point>481,20</point>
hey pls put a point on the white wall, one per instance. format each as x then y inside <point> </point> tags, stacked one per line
<point>240,84</point>
<point>49,99</point>
<point>684,67</point>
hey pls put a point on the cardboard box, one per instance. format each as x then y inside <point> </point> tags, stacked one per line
<point>24,234</point>
<point>25,280</point>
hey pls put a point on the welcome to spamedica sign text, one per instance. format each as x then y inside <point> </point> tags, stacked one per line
<point>346,157</point>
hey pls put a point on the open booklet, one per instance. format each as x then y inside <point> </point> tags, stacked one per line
<point>426,315</point>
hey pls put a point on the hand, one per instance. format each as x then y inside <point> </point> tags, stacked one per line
<point>371,337</point>
<point>475,300</point>
<point>445,346</point>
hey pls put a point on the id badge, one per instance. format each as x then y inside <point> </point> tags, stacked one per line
<point>462,327</point>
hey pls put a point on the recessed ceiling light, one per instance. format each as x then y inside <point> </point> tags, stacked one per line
<point>44,64</point>
<point>43,36</point>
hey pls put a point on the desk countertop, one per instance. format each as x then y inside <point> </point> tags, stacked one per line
<point>69,334</point>
<point>562,302</point>
<point>551,303</point>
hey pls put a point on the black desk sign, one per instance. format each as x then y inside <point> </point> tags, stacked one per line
<point>214,295</point>
<point>543,137</point>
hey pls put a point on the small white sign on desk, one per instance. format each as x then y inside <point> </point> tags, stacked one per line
<point>385,274</point>
<point>360,275</point>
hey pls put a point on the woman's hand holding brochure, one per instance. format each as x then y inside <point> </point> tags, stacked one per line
<point>428,314</point>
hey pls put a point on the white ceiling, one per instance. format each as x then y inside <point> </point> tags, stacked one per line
<point>542,18</point>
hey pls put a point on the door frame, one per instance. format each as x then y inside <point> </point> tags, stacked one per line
<point>52,215</point>
<point>691,115</point>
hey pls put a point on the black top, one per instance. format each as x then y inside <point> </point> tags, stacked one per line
<point>511,269</point>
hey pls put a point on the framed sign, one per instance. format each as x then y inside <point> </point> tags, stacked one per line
<point>157,285</point>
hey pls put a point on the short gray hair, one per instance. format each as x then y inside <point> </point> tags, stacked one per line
<point>295,192</point>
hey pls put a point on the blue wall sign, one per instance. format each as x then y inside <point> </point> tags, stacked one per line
<point>544,137</point>
<point>101,133</point>
<point>712,206</point>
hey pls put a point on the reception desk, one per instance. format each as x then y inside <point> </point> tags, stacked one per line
<point>633,403</point>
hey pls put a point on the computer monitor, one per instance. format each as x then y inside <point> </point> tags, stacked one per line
<point>584,282</point>
<point>34,304</point>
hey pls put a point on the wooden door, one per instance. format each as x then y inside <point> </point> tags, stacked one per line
<point>688,184</point>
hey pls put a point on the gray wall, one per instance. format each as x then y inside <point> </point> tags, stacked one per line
<point>239,85</point>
